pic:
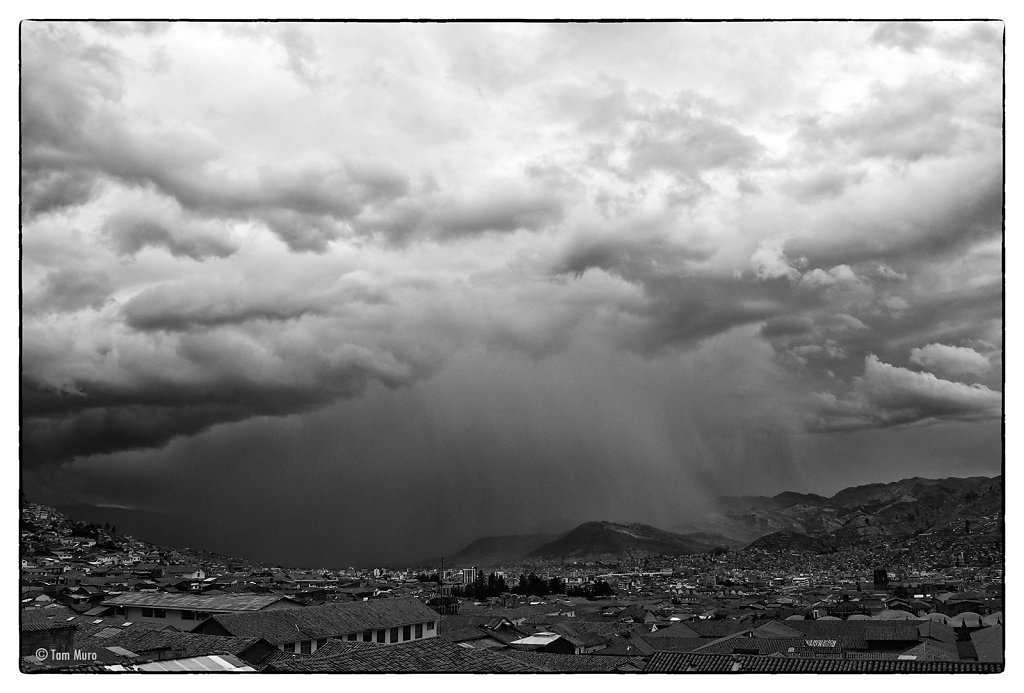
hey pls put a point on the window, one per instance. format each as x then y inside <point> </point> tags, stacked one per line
<point>187,615</point>
<point>147,613</point>
<point>394,634</point>
<point>419,630</point>
<point>367,636</point>
<point>159,613</point>
<point>430,625</point>
<point>406,632</point>
<point>288,647</point>
<point>119,610</point>
<point>380,635</point>
<point>307,647</point>
<point>351,636</point>
<point>321,643</point>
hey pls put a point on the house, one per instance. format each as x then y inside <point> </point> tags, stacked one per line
<point>185,572</point>
<point>185,610</point>
<point>48,629</point>
<point>956,603</point>
<point>423,656</point>
<point>988,644</point>
<point>383,621</point>
<point>545,641</point>
<point>156,644</point>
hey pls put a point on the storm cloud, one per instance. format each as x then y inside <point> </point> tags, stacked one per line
<point>665,260</point>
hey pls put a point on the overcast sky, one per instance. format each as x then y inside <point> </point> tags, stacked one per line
<point>330,294</point>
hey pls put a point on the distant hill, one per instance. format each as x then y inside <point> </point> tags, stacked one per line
<point>494,550</point>
<point>600,538</point>
<point>786,542</point>
<point>588,539</point>
<point>900,508</point>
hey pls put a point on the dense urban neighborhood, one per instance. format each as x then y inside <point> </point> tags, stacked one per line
<point>95,599</point>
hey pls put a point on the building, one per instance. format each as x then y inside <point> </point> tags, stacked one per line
<point>545,641</point>
<point>184,611</point>
<point>46,629</point>
<point>381,621</point>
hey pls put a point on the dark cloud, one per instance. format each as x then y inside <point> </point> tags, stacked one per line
<point>906,122</point>
<point>73,134</point>
<point>501,208</point>
<point>500,205</point>
<point>825,182</point>
<point>178,307</point>
<point>50,191</point>
<point>140,391</point>
<point>967,215</point>
<point>148,413</point>
<point>633,252</point>
<point>887,395</point>
<point>131,231</point>
<point>70,290</point>
<point>678,142</point>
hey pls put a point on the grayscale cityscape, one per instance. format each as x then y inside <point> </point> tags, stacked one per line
<point>511,347</point>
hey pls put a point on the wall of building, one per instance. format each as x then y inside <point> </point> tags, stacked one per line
<point>401,636</point>
<point>57,640</point>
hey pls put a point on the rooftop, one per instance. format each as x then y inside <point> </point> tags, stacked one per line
<point>320,621</point>
<point>432,655</point>
<point>693,662</point>
<point>213,603</point>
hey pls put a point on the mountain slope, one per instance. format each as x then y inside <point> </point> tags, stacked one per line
<point>600,538</point>
<point>489,551</point>
<point>900,508</point>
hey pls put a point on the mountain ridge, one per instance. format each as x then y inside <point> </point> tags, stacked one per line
<point>853,514</point>
<point>895,508</point>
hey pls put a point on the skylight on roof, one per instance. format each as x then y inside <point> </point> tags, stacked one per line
<point>99,620</point>
<point>126,624</point>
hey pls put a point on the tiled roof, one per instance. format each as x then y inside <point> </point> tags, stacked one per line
<point>676,662</point>
<point>767,646</point>
<point>323,621</point>
<point>674,644</point>
<point>584,634</point>
<point>936,631</point>
<point>276,656</point>
<point>579,664</point>
<point>679,630</point>
<point>40,619</point>
<point>933,650</point>
<point>420,656</point>
<point>715,629</point>
<point>89,626</point>
<point>182,644</point>
<point>30,624</point>
<point>869,630</point>
<point>633,647</point>
<point>776,629</point>
<point>467,634</point>
<point>988,644</point>
<point>220,602</point>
